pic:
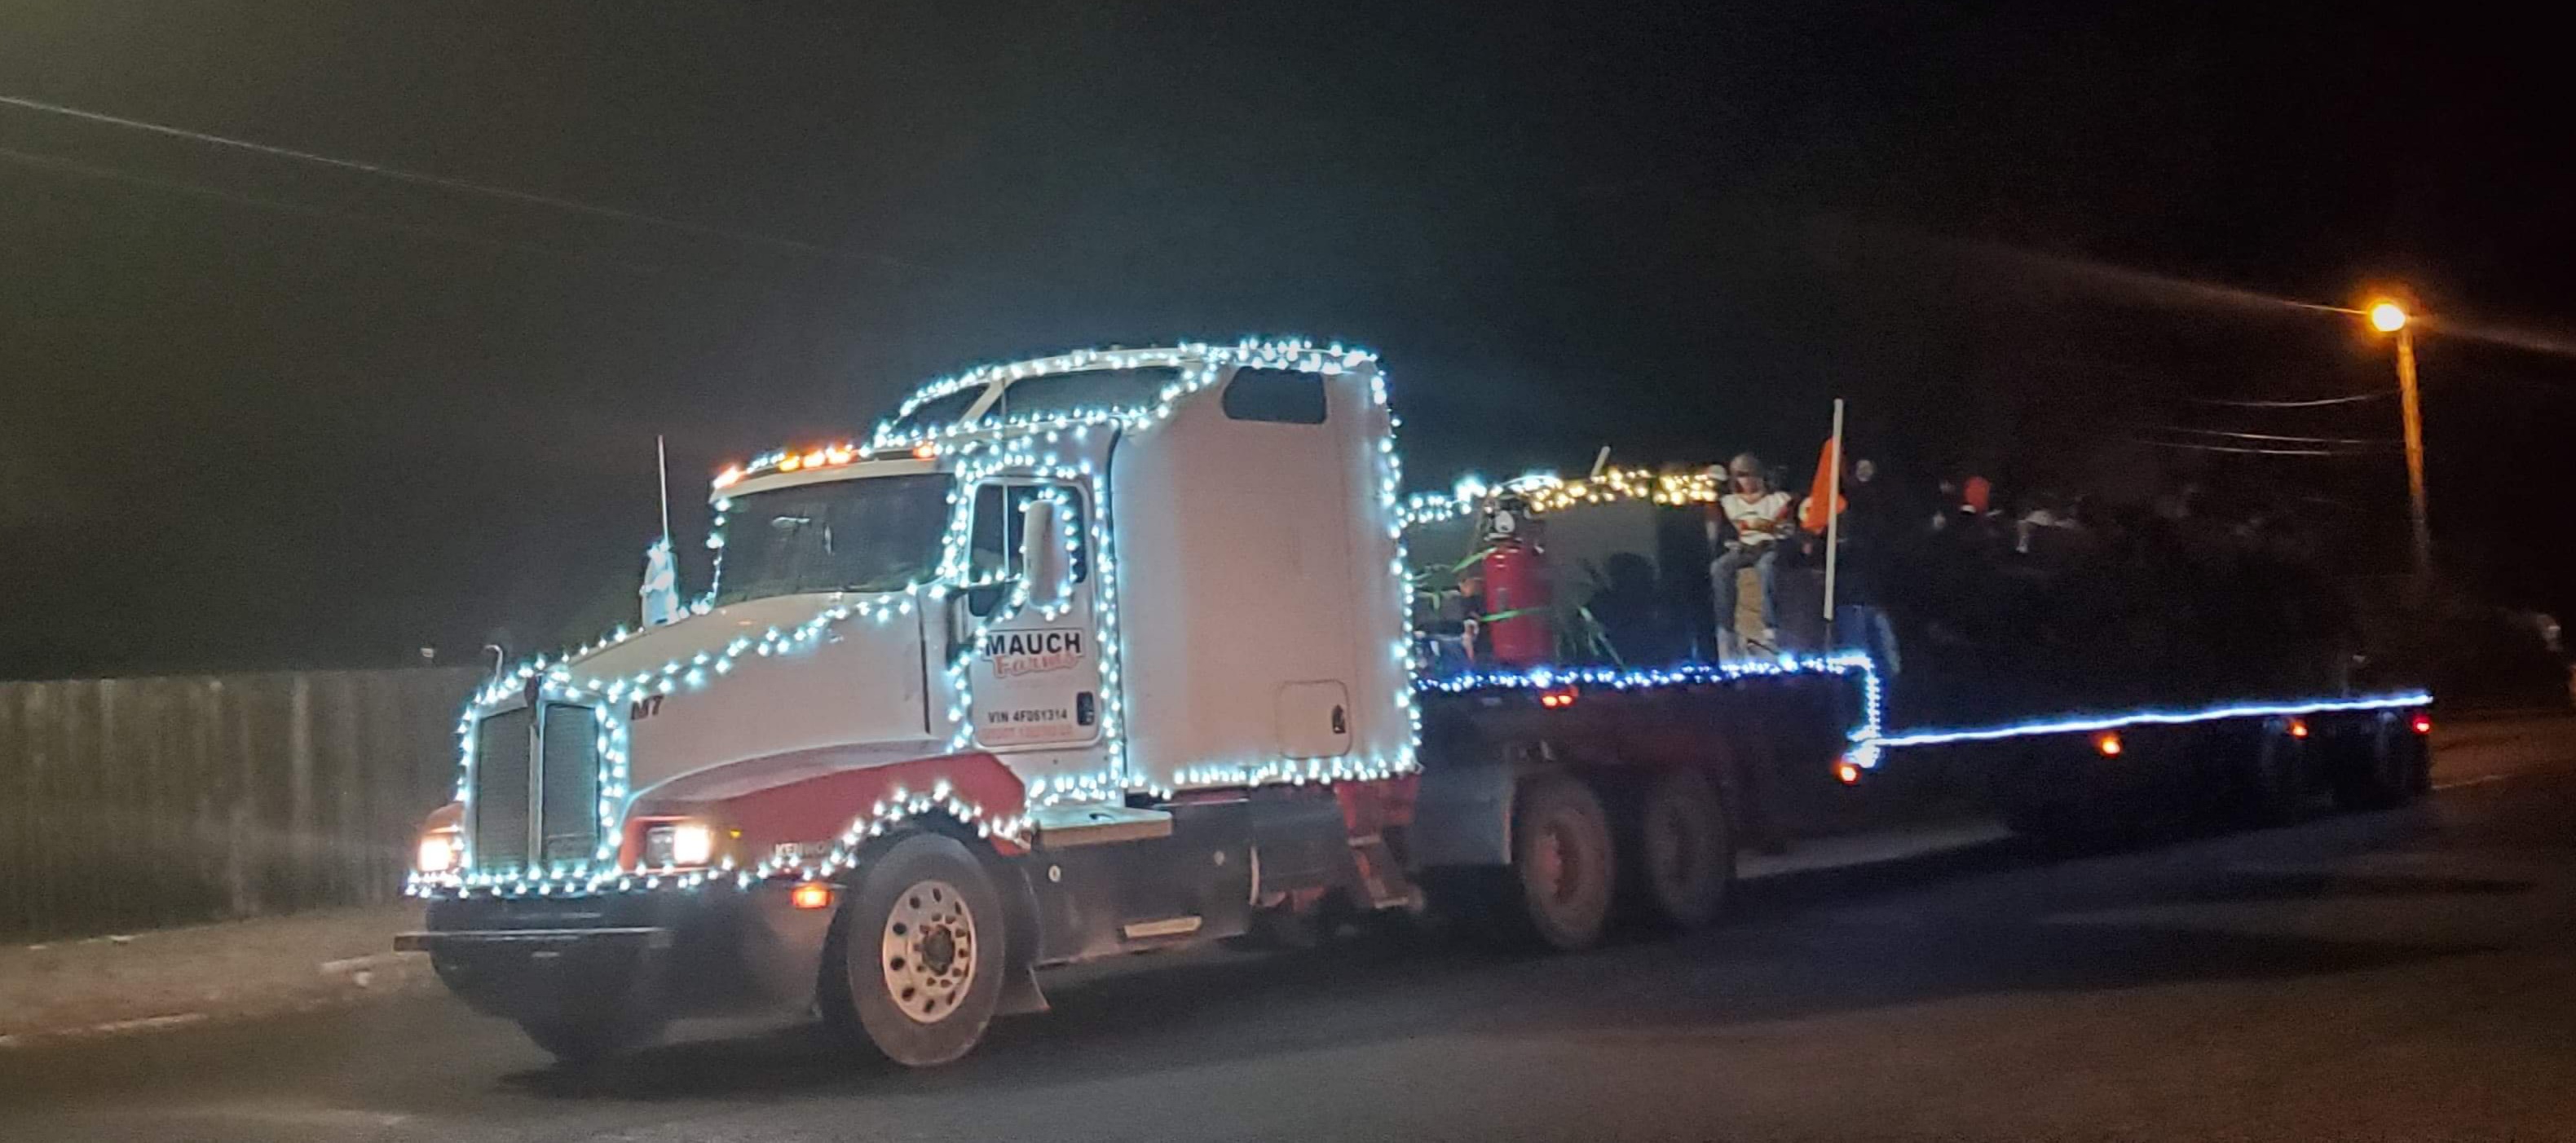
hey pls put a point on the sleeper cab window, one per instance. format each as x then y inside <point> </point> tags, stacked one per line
<point>1280,396</point>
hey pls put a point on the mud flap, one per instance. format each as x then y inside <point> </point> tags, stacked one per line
<point>1020,994</point>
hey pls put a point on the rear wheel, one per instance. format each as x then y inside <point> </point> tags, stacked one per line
<point>922,944</point>
<point>1562,863</point>
<point>2276,778</point>
<point>1681,851</point>
<point>2382,776</point>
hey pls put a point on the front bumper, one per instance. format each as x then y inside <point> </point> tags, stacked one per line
<point>534,941</point>
<point>713,950</point>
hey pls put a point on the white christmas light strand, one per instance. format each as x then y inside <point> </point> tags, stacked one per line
<point>984,448</point>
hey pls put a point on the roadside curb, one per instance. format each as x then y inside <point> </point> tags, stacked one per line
<point>99,987</point>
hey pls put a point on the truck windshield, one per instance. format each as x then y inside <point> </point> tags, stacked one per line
<point>873,534</point>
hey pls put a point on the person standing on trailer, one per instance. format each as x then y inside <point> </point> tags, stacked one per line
<point>1870,529</point>
<point>1756,515</point>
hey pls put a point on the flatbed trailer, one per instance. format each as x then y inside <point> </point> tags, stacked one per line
<point>1118,651</point>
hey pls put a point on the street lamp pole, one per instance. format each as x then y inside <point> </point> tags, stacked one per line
<point>2389,317</point>
<point>2414,416</point>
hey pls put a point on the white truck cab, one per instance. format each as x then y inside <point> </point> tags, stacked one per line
<point>982,547</point>
<point>1043,604</point>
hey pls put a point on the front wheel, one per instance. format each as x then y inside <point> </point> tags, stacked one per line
<point>922,946</point>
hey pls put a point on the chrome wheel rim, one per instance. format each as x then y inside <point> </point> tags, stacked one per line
<point>928,951</point>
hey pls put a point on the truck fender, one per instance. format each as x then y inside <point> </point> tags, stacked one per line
<point>1464,815</point>
<point>796,824</point>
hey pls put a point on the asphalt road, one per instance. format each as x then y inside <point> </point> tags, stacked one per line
<point>2405,975</point>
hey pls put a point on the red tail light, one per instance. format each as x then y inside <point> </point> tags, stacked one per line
<point>2423,723</point>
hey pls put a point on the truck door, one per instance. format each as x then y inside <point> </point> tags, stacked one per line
<point>1035,671</point>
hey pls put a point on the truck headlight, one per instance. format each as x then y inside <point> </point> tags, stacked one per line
<point>679,843</point>
<point>438,851</point>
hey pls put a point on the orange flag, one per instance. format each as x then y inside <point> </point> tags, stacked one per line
<point>1813,517</point>
<point>1977,495</point>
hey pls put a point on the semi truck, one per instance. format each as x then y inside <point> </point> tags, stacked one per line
<point>1132,649</point>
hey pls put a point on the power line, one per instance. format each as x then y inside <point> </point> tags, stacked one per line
<point>441,181</point>
<point>442,234</point>
<point>2357,397</point>
<point>2195,446</point>
<point>2367,442</point>
<point>2499,335</point>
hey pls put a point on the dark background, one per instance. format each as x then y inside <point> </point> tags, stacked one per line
<point>256,412</point>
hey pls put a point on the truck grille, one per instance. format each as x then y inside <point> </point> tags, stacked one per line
<point>563,825</point>
<point>501,762</point>
<point>570,805</point>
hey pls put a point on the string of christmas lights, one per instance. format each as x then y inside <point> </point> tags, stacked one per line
<point>1024,447</point>
<point>1054,451</point>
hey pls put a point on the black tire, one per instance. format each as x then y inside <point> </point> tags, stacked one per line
<point>1563,865</point>
<point>2039,791</point>
<point>2381,776</point>
<point>2412,753</point>
<point>923,943</point>
<point>585,1040</point>
<point>1680,851</point>
<point>2278,787</point>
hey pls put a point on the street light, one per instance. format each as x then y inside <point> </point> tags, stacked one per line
<point>2390,317</point>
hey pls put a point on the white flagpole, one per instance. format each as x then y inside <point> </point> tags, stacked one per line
<point>662,468</point>
<point>1833,519</point>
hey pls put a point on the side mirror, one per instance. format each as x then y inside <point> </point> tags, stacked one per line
<point>1044,564</point>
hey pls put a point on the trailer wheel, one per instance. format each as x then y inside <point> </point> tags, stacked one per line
<point>1562,862</point>
<point>2277,782</point>
<point>1681,851</point>
<point>922,947</point>
<point>2380,777</point>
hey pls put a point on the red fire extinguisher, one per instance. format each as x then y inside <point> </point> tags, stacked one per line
<point>1518,621</point>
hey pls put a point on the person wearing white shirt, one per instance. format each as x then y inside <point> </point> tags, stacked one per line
<point>1757,517</point>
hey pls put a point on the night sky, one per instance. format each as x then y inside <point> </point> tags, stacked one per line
<point>260,413</point>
